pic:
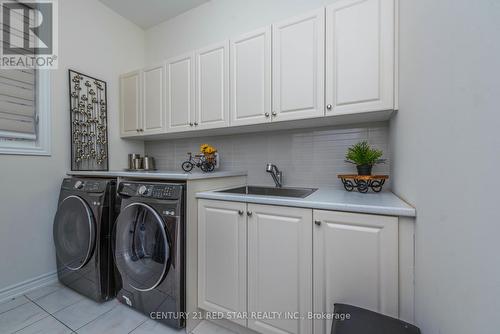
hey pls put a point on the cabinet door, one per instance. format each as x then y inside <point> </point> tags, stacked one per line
<point>130,102</point>
<point>359,56</point>
<point>222,245</point>
<point>153,100</point>
<point>280,268</point>
<point>212,83</point>
<point>298,62</point>
<point>355,262</point>
<point>180,93</point>
<point>251,78</point>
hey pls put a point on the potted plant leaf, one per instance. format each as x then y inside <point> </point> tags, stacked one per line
<point>364,157</point>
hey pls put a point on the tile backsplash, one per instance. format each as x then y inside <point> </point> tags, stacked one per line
<point>307,157</point>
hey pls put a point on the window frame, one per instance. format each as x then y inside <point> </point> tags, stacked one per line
<point>42,145</point>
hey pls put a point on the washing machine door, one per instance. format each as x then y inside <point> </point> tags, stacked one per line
<point>74,232</point>
<point>142,246</point>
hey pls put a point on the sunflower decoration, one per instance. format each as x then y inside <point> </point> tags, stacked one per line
<point>208,151</point>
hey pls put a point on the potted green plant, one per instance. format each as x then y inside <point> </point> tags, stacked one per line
<point>364,157</point>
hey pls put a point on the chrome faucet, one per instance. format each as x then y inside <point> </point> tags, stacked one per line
<point>276,174</point>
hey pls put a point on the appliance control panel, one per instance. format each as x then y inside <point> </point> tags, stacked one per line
<point>88,186</point>
<point>150,190</point>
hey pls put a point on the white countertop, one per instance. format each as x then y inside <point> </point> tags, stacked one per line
<point>328,198</point>
<point>158,175</point>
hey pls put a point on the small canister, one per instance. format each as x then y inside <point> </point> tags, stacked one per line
<point>149,163</point>
<point>137,163</point>
<point>131,158</point>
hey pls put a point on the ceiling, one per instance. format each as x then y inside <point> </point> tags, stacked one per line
<point>147,13</point>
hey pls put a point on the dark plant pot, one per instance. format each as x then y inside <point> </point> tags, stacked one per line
<point>364,169</point>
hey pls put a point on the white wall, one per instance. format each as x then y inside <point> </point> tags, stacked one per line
<point>95,41</point>
<point>446,154</point>
<point>218,20</point>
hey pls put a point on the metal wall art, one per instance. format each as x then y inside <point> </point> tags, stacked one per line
<point>89,130</point>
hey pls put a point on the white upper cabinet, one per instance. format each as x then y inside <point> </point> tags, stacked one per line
<point>222,263</point>
<point>355,262</point>
<point>180,93</point>
<point>279,267</point>
<point>298,67</point>
<point>251,78</point>
<point>212,86</point>
<point>153,102</point>
<point>360,56</point>
<point>130,99</point>
<point>337,60</point>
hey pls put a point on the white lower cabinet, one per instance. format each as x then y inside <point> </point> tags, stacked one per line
<point>279,268</point>
<point>273,263</point>
<point>222,263</point>
<point>355,262</point>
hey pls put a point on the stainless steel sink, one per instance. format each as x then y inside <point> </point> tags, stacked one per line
<point>271,191</point>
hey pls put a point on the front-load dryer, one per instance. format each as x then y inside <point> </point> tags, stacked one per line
<point>82,235</point>
<point>149,239</point>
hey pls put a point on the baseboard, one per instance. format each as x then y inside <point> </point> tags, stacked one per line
<point>28,285</point>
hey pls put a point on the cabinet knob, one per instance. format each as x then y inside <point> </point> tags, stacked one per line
<point>275,113</point>
<point>249,213</point>
<point>266,114</point>
<point>195,123</point>
<point>137,130</point>
<point>240,212</point>
<point>329,107</point>
<point>191,124</point>
<point>317,222</point>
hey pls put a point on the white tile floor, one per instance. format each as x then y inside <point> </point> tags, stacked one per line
<point>55,309</point>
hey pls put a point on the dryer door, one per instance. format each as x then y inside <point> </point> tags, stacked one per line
<point>142,249</point>
<point>74,232</point>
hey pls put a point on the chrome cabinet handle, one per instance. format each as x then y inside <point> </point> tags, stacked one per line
<point>191,124</point>
<point>195,123</point>
<point>274,113</point>
<point>266,114</point>
<point>240,212</point>
<point>317,222</point>
<point>329,107</point>
<point>249,213</point>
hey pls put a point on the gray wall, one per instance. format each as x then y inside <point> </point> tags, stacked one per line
<point>308,157</point>
<point>446,152</point>
<point>94,40</point>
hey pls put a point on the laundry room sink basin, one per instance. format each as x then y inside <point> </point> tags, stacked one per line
<point>271,191</point>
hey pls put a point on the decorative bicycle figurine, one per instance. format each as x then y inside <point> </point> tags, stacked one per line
<point>200,161</point>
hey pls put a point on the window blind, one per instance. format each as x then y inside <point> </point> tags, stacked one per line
<point>17,102</point>
<point>18,117</point>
